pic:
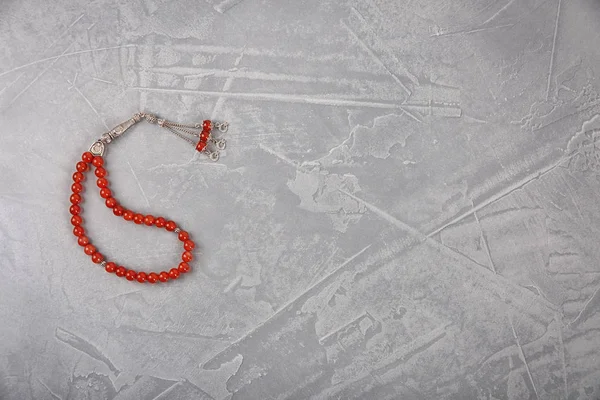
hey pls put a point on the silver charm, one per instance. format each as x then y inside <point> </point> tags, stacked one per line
<point>97,148</point>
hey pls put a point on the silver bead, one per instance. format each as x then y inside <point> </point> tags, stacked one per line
<point>177,230</point>
<point>103,263</point>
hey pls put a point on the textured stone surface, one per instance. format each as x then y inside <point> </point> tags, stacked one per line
<point>407,208</point>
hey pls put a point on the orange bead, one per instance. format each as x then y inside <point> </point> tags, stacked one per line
<point>83,240</point>
<point>207,125</point>
<point>183,236</point>
<point>97,258</point>
<point>77,187</point>
<point>81,166</point>
<point>110,267</point>
<point>149,220</point>
<point>76,220</point>
<point>170,225</point>
<point>110,202</point>
<point>102,182</point>
<point>75,198</point>
<point>87,157</point>
<point>105,193</point>
<point>173,273</point>
<point>189,245</point>
<point>130,275</point>
<point>187,256</point>
<point>141,277</point>
<point>128,215</point>
<point>160,222</point>
<point>200,146</point>
<point>120,271</point>
<point>183,267</point>
<point>89,249</point>
<point>78,231</point>
<point>138,218</point>
<point>163,276</point>
<point>118,211</point>
<point>75,209</point>
<point>78,177</point>
<point>100,172</point>
<point>98,161</point>
<point>152,277</point>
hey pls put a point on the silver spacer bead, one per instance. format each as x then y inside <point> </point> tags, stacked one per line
<point>103,263</point>
<point>177,230</point>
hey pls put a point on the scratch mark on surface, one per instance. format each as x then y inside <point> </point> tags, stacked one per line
<point>103,80</point>
<point>12,83</point>
<point>54,395</point>
<point>483,238</point>
<point>226,86</point>
<point>503,193</point>
<point>586,311</point>
<point>499,12</point>
<point>84,346</point>
<point>39,75</point>
<point>65,32</point>
<point>226,5</point>
<point>89,103</point>
<point>563,357</point>
<point>186,335</point>
<point>551,67</point>
<point>287,98</point>
<point>522,355</point>
<point>471,31</point>
<point>375,56</point>
<point>54,58</point>
<point>234,284</point>
<point>138,183</point>
<point>282,157</point>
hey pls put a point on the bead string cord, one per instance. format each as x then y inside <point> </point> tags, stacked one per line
<point>94,158</point>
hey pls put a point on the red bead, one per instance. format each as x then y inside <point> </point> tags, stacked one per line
<point>105,193</point>
<point>78,231</point>
<point>83,240</point>
<point>110,267</point>
<point>201,146</point>
<point>120,271</point>
<point>141,277</point>
<point>100,172</point>
<point>102,182</point>
<point>189,245</point>
<point>78,177</point>
<point>152,277</point>
<point>97,258</point>
<point>183,236</point>
<point>170,225</point>
<point>138,218</point>
<point>87,157</point>
<point>204,136</point>
<point>207,125</point>
<point>81,166</point>
<point>76,220</point>
<point>149,220</point>
<point>110,202</point>
<point>128,215</point>
<point>77,187</point>
<point>89,249</point>
<point>75,198</point>
<point>98,161</point>
<point>163,276</point>
<point>173,273</point>
<point>160,222</point>
<point>187,256</point>
<point>130,275</point>
<point>118,211</point>
<point>75,209</point>
<point>183,267</point>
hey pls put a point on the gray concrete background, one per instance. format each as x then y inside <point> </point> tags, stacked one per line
<point>407,209</point>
